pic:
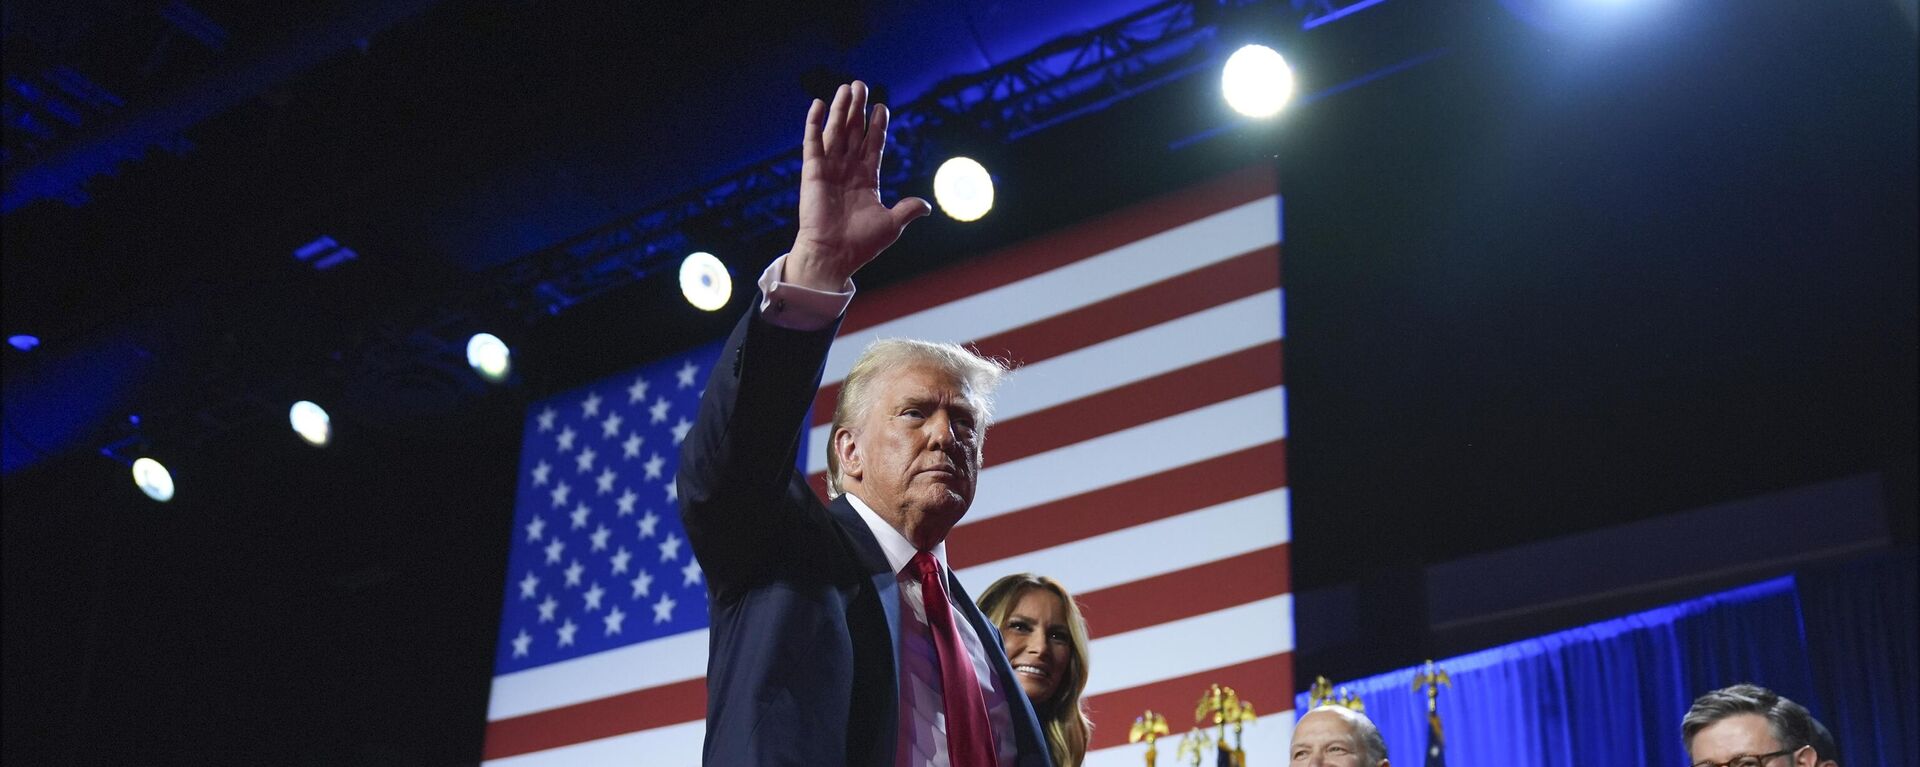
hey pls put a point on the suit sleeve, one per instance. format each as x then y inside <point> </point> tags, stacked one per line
<point>740,494</point>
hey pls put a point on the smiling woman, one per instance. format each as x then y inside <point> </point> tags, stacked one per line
<point>1046,641</point>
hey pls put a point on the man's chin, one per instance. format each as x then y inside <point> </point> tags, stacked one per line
<point>944,504</point>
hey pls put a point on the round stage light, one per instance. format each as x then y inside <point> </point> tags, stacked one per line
<point>963,188</point>
<point>705,282</point>
<point>311,422</point>
<point>153,479</point>
<point>1257,81</point>
<point>489,356</point>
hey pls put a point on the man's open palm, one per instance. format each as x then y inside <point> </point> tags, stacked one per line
<point>843,223</point>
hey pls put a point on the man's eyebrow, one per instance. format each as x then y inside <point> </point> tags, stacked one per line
<point>927,400</point>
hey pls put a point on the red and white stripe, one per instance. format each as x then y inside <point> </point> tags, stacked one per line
<point>1138,456</point>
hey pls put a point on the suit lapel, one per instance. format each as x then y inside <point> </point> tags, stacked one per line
<point>886,588</point>
<point>1021,708</point>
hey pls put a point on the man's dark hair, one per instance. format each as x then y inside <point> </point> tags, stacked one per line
<point>1790,722</point>
<point>1823,742</point>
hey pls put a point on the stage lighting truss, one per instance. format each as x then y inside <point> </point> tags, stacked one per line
<point>1063,79</point>
<point>1057,82</point>
<point>1327,11</point>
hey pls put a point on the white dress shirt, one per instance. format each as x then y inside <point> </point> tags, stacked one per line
<point>923,719</point>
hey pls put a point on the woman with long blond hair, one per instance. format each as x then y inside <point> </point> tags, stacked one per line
<point>1046,641</point>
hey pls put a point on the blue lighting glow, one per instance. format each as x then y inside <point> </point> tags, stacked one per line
<point>23,342</point>
<point>1314,21</point>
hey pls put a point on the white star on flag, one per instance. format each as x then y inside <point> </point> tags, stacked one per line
<point>663,609</point>
<point>590,406</point>
<point>554,550</point>
<point>680,430</point>
<point>540,472</point>
<point>529,586</point>
<point>619,560</point>
<point>535,529</point>
<point>560,493</point>
<point>520,644</point>
<point>673,492</point>
<point>686,374</point>
<point>653,465</point>
<point>585,460</point>
<point>610,428</point>
<point>690,574</point>
<point>593,596</point>
<point>670,548</point>
<point>613,620</point>
<point>546,420</point>
<point>625,501</point>
<point>579,515</point>
<point>565,439</point>
<point>547,607</point>
<point>659,410</point>
<point>631,447</point>
<point>638,391</point>
<point>605,480</point>
<point>573,573</point>
<point>600,538</point>
<point>647,522</point>
<point>642,584</point>
<point>566,632</point>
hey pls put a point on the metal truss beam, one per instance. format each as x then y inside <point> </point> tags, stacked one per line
<point>1062,80</point>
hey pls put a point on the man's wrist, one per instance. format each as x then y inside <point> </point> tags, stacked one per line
<point>791,305</point>
<point>808,267</point>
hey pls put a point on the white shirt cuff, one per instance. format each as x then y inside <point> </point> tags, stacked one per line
<point>799,308</point>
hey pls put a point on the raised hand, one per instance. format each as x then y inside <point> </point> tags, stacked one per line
<point>843,223</point>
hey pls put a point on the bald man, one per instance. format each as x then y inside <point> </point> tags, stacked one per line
<point>1336,736</point>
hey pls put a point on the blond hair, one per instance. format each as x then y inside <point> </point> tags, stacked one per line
<point>1064,718</point>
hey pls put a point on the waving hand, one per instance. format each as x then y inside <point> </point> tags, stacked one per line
<point>843,223</point>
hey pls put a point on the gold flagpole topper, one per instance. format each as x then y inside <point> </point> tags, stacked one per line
<point>1149,727</point>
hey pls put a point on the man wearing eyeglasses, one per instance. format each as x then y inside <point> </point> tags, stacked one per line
<point>1748,726</point>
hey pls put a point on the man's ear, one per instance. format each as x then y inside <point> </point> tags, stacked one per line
<point>848,453</point>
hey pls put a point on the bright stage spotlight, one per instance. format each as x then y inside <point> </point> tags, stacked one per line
<point>489,356</point>
<point>311,422</point>
<point>153,479</point>
<point>963,188</point>
<point>1257,81</point>
<point>705,282</point>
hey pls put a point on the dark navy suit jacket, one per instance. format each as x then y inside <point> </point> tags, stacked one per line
<point>802,666</point>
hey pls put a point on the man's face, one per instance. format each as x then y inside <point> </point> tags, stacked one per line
<point>1742,735</point>
<point>915,454</point>
<point>1326,739</point>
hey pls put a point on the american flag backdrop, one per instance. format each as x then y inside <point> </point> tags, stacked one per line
<point>1138,457</point>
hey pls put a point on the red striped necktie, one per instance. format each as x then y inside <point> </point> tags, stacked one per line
<point>969,736</point>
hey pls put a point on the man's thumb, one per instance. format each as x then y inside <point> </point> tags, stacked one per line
<point>908,209</point>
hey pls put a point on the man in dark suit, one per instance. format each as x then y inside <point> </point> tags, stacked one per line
<point>839,634</point>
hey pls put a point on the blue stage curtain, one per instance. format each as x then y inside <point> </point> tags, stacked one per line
<point>1607,695</point>
<point>1861,636</point>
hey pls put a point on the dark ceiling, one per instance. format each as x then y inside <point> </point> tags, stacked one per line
<point>1542,278</point>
